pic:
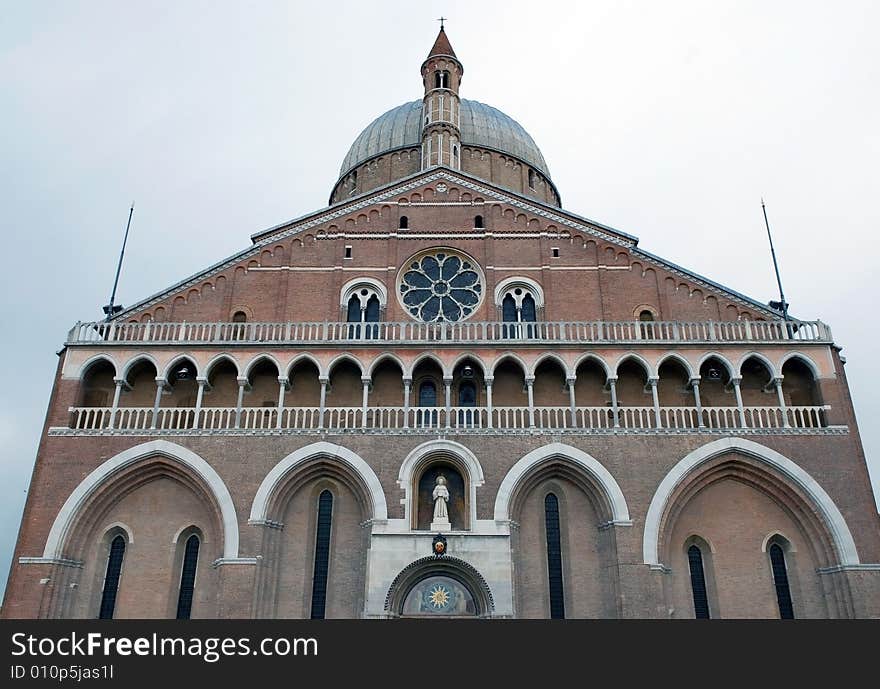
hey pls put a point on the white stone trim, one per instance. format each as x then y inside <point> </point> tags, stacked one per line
<point>468,458</point>
<point>542,455</point>
<point>527,284</point>
<point>260,507</point>
<point>795,354</point>
<point>834,521</point>
<point>84,366</point>
<point>189,459</point>
<point>350,287</point>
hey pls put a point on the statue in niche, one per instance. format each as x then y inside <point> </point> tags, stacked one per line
<point>441,497</point>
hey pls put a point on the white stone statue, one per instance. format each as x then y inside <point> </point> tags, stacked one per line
<point>441,497</point>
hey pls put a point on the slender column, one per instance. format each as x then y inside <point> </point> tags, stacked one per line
<point>364,401</point>
<point>202,382</point>
<point>778,383</point>
<point>695,382</point>
<point>615,411</point>
<point>407,388</point>
<point>160,386</point>
<point>283,386</point>
<point>242,384</point>
<point>739,401</point>
<point>489,382</point>
<point>324,382</point>
<point>656,398</point>
<point>572,402</point>
<point>120,383</point>
<point>447,383</point>
<point>530,385</point>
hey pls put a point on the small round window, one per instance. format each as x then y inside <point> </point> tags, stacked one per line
<point>440,286</point>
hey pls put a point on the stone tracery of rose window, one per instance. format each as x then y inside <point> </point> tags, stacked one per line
<point>440,286</point>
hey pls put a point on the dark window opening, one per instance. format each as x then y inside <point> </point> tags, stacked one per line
<point>322,555</point>
<point>646,316</point>
<point>111,579</point>
<point>428,398</point>
<point>441,80</point>
<point>478,222</point>
<point>239,317</point>
<point>780,580</point>
<point>554,557</point>
<point>348,252</point>
<point>529,312</point>
<point>555,252</point>
<point>404,223</point>
<point>188,578</point>
<point>698,583</point>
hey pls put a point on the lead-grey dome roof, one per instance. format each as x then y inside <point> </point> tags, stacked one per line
<point>481,125</point>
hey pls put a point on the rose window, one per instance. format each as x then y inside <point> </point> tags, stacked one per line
<point>441,286</point>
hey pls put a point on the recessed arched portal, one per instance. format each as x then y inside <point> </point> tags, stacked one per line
<point>439,587</point>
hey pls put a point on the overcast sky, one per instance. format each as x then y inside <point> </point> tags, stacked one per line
<point>667,120</point>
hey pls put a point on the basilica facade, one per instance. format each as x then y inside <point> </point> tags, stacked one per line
<point>444,395</point>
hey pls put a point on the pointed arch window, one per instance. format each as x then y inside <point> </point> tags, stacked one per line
<point>780,581</point>
<point>698,582</point>
<point>428,398</point>
<point>111,579</point>
<point>404,223</point>
<point>554,557</point>
<point>188,578</point>
<point>363,307</point>
<point>322,555</point>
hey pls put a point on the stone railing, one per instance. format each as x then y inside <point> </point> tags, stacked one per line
<point>458,419</point>
<point>467,332</point>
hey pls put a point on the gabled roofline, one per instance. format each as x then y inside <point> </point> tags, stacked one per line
<point>552,213</point>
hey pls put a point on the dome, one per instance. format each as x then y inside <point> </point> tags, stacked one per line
<point>481,125</point>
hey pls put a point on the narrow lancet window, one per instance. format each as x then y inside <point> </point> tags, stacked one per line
<point>188,578</point>
<point>780,581</point>
<point>322,555</point>
<point>698,583</point>
<point>111,579</point>
<point>554,557</point>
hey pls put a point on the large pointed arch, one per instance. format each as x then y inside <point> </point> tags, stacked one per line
<point>320,450</point>
<point>115,465</point>
<point>617,507</point>
<point>832,518</point>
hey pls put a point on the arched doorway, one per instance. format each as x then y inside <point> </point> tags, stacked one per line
<point>439,587</point>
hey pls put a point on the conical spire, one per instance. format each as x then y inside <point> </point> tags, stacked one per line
<point>442,46</point>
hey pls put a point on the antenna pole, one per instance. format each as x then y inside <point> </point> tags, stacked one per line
<point>775,264</point>
<point>109,308</point>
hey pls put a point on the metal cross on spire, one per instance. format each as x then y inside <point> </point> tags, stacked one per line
<point>441,20</point>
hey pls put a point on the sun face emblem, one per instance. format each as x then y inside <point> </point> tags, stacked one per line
<point>439,596</point>
<point>439,547</point>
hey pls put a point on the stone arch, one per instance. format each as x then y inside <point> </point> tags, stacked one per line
<point>175,361</point>
<point>446,565</point>
<point>631,356</point>
<point>134,361</point>
<point>526,284</point>
<point>302,357</point>
<point>218,359</point>
<point>774,372</point>
<point>672,356</point>
<point>353,285</point>
<point>419,459</point>
<point>338,360</point>
<point>468,356</point>
<point>510,356</point>
<point>425,357</point>
<point>593,357</point>
<point>385,356</point>
<point>550,356</point>
<point>265,500</point>
<point>613,507</point>
<point>807,361</point>
<point>113,467</point>
<point>259,358</point>
<point>731,371</point>
<point>689,467</point>
<point>98,358</point>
